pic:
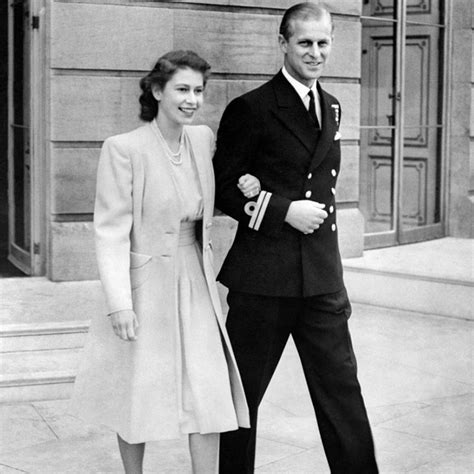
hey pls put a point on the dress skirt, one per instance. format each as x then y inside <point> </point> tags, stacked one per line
<point>129,386</point>
<point>204,378</point>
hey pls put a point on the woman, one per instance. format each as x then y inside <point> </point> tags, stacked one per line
<point>171,370</point>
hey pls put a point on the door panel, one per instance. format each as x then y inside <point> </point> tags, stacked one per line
<point>378,113</point>
<point>422,127</point>
<point>19,137</point>
<point>400,121</point>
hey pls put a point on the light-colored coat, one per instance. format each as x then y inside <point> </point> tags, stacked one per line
<point>132,386</point>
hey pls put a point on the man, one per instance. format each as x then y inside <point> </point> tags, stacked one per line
<point>284,271</point>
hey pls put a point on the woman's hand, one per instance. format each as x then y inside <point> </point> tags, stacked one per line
<point>249,185</point>
<point>125,324</point>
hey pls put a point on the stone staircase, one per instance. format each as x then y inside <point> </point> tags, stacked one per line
<point>39,361</point>
<point>434,277</point>
<point>43,326</point>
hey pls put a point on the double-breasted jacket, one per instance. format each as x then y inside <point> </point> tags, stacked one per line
<point>269,133</point>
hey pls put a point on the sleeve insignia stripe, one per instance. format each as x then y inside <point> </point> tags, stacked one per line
<point>259,210</point>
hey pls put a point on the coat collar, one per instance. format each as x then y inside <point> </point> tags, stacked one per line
<point>293,114</point>
<point>330,126</point>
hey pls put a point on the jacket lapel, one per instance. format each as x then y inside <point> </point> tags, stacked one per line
<point>157,157</point>
<point>200,157</point>
<point>292,113</point>
<point>328,131</point>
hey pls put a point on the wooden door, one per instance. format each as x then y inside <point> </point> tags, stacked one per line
<point>401,126</point>
<point>20,165</point>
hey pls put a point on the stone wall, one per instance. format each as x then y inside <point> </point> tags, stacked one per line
<point>98,50</point>
<point>460,176</point>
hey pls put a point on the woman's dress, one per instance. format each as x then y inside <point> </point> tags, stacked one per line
<point>204,375</point>
<point>118,383</point>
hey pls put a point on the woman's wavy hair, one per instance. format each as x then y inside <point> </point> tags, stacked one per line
<point>163,71</point>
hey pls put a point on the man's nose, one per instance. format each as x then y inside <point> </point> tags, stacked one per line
<point>314,50</point>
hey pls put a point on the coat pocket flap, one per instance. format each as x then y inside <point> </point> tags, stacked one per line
<point>138,260</point>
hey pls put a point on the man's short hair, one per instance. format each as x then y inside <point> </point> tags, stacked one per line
<point>302,11</point>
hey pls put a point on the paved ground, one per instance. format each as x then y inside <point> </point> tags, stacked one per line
<point>416,373</point>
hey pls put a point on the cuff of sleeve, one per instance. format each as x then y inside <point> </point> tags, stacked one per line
<point>117,311</point>
<point>269,213</point>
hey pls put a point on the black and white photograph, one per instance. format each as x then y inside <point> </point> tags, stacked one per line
<point>236,236</point>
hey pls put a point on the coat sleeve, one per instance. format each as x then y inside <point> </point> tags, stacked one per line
<point>113,223</point>
<point>237,148</point>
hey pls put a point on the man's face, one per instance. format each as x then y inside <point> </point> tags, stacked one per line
<point>308,48</point>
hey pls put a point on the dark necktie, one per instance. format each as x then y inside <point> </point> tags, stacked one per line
<point>312,109</point>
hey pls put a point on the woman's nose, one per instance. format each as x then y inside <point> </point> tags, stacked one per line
<point>191,98</point>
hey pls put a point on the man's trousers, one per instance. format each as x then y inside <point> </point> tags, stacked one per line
<point>259,328</point>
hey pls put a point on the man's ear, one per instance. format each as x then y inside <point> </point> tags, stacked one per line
<point>283,43</point>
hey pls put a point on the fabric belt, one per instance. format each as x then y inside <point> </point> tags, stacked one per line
<point>187,233</point>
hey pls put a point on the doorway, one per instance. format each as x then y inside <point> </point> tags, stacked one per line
<point>7,269</point>
<point>19,142</point>
<point>402,92</point>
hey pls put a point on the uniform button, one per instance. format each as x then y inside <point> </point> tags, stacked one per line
<point>310,175</point>
<point>333,190</point>
<point>308,194</point>
<point>208,225</point>
<point>331,209</point>
<point>333,227</point>
<point>334,172</point>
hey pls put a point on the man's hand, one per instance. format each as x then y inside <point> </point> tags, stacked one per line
<point>249,185</point>
<point>125,324</point>
<point>306,216</point>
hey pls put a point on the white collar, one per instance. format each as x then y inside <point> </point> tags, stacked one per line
<point>300,88</point>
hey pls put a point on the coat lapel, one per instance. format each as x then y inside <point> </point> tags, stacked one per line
<point>157,157</point>
<point>328,131</point>
<point>292,112</point>
<point>200,158</point>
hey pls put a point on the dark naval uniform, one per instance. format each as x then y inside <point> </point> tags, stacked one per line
<point>282,281</point>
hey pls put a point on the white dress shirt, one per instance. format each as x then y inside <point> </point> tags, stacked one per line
<point>302,91</point>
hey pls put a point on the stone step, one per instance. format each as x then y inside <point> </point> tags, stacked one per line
<point>38,374</point>
<point>39,360</point>
<point>432,277</point>
<point>410,292</point>
<point>42,336</point>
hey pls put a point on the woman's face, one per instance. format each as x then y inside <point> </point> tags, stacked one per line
<point>181,97</point>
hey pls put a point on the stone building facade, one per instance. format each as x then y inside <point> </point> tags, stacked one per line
<point>403,72</point>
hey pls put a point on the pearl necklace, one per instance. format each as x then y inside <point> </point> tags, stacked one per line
<point>175,158</point>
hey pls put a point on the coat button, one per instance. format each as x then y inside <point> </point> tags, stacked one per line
<point>308,194</point>
<point>310,175</point>
<point>334,172</point>
<point>333,190</point>
<point>333,227</point>
<point>331,209</point>
<point>208,225</point>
